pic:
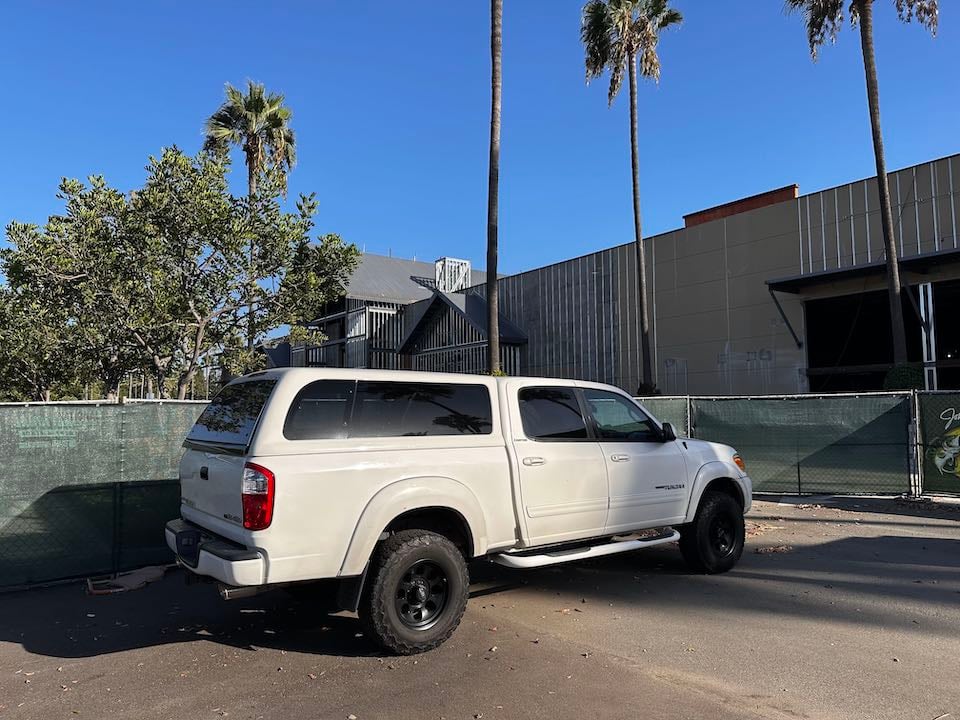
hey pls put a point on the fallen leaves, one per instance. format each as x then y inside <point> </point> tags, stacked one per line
<point>771,549</point>
<point>757,529</point>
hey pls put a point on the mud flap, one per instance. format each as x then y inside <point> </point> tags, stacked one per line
<point>350,590</point>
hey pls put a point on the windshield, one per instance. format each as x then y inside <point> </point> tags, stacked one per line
<point>232,415</point>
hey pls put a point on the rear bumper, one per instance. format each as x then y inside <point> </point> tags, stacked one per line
<point>203,553</point>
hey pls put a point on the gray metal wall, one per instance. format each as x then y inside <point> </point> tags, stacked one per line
<point>580,317</point>
<point>716,329</point>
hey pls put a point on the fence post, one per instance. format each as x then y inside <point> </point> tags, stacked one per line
<point>916,488</point>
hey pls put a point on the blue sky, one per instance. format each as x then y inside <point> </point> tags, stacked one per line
<point>391,107</point>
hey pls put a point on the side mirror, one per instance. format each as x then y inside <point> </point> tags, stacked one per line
<point>669,434</point>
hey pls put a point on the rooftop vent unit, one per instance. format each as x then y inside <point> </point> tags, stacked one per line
<point>453,274</point>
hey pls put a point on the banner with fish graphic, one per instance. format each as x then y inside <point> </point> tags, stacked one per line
<point>940,438</point>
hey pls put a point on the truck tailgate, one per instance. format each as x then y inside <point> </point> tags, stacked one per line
<point>210,484</point>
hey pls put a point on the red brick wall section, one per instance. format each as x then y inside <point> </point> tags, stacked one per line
<point>789,192</point>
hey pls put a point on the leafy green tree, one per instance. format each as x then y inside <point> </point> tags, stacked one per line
<point>162,279</point>
<point>823,19</point>
<point>36,347</point>
<point>258,122</point>
<point>493,188</point>
<point>67,264</point>
<point>617,36</point>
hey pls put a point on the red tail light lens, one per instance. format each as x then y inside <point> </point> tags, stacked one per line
<point>258,491</point>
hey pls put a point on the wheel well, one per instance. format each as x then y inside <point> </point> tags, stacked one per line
<point>440,520</point>
<point>728,487</point>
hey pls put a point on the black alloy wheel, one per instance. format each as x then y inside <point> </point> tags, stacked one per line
<point>421,595</point>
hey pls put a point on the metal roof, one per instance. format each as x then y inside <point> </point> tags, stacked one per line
<point>914,263</point>
<point>390,279</point>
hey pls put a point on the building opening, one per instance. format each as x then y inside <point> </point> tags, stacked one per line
<point>849,343</point>
<point>946,303</point>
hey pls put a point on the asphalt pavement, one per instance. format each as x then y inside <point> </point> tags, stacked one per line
<point>838,609</point>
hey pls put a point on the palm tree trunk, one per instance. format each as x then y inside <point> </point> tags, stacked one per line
<point>251,193</point>
<point>865,8</point>
<point>493,188</point>
<point>638,237</point>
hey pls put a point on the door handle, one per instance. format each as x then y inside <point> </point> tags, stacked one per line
<point>620,458</point>
<point>530,461</point>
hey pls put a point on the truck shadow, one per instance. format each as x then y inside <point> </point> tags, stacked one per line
<point>888,581</point>
<point>873,582</point>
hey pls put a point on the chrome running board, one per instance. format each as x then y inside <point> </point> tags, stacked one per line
<point>515,560</point>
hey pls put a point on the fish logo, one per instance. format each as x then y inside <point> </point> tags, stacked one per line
<point>945,452</point>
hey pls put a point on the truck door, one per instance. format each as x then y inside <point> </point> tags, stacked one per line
<point>647,477</point>
<point>563,480</point>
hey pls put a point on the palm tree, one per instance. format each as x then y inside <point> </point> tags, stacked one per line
<point>823,19</point>
<point>618,35</point>
<point>493,189</point>
<point>258,122</point>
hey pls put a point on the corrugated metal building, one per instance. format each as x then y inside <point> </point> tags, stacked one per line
<point>776,293</point>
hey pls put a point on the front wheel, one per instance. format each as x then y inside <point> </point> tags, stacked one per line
<point>417,592</point>
<point>713,542</point>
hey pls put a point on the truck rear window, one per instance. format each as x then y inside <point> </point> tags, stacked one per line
<point>232,415</point>
<point>397,409</point>
<point>328,409</point>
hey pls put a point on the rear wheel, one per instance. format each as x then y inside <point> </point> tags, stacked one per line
<point>416,594</point>
<point>713,542</point>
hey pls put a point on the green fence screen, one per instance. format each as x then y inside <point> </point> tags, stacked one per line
<point>86,489</point>
<point>811,444</point>
<point>669,409</point>
<point>939,417</point>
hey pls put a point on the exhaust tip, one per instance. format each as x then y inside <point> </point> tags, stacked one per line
<point>229,592</point>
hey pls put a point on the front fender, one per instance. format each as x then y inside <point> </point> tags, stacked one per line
<point>714,470</point>
<point>412,494</point>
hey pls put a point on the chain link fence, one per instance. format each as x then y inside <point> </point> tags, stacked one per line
<point>674,410</point>
<point>86,488</point>
<point>815,444</point>
<point>807,444</point>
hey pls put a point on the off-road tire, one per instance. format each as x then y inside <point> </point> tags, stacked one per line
<point>702,549</point>
<point>392,562</point>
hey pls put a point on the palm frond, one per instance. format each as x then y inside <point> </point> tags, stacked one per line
<point>823,19</point>
<point>595,34</point>
<point>617,32</point>
<point>668,18</point>
<point>258,122</point>
<point>616,76</point>
<point>927,13</point>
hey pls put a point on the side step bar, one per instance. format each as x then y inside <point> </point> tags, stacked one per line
<point>514,560</point>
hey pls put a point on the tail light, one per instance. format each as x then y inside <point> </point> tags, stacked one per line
<point>258,490</point>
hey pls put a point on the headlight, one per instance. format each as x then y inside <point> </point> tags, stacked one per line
<point>738,461</point>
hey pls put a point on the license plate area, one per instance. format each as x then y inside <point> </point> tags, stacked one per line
<point>188,547</point>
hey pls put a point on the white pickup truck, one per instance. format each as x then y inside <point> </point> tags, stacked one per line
<point>386,483</point>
